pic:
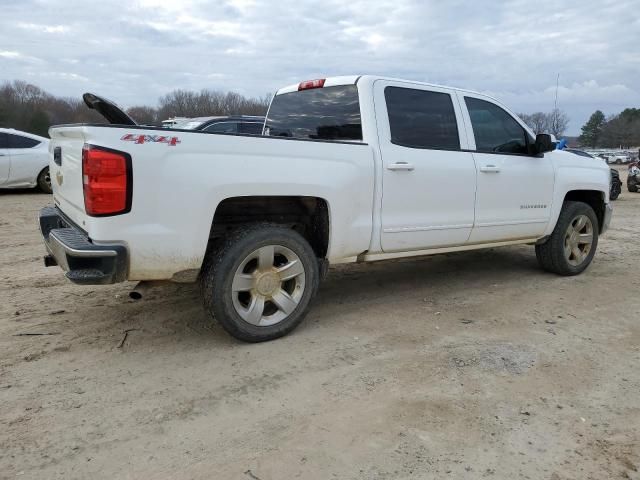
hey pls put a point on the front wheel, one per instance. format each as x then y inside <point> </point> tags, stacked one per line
<point>259,282</point>
<point>572,245</point>
<point>44,181</point>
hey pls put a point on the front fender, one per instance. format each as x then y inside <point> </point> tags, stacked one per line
<point>576,179</point>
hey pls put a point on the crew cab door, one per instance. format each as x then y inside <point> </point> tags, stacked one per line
<point>429,182</point>
<point>5,158</point>
<point>514,188</point>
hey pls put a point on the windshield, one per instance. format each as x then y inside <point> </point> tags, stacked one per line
<point>331,113</point>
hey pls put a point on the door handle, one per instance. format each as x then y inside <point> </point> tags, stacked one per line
<point>489,169</point>
<point>400,166</point>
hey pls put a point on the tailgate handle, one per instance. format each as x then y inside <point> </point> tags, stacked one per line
<point>57,156</point>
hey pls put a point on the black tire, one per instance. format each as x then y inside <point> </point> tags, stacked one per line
<point>632,188</point>
<point>615,192</point>
<point>225,259</point>
<point>551,254</point>
<point>44,181</point>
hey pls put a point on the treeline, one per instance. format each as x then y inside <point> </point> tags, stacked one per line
<point>555,122</point>
<point>28,108</point>
<point>621,130</point>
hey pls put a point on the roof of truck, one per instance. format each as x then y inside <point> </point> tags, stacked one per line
<point>353,79</point>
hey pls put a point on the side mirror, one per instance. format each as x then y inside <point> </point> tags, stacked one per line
<point>544,143</point>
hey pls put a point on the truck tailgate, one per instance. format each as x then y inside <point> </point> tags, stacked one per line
<point>66,170</point>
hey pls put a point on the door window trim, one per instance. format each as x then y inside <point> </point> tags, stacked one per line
<point>384,133</point>
<point>420,147</point>
<point>469,126</point>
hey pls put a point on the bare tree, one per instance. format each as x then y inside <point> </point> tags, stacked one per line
<point>538,121</point>
<point>558,122</point>
<point>143,115</point>
<point>27,107</point>
<point>183,103</point>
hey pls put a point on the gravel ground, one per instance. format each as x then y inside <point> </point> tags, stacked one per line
<point>469,365</point>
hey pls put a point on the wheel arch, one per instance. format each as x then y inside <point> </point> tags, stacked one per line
<point>594,198</point>
<point>308,215</point>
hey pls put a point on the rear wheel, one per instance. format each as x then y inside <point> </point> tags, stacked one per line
<point>44,180</point>
<point>259,283</point>
<point>572,245</point>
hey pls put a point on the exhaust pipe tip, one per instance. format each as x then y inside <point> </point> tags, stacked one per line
<point>135,295</point>
<point>143,287</point>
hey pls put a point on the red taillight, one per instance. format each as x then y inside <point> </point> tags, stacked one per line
<point>106,180</point>
<point>308,84</point>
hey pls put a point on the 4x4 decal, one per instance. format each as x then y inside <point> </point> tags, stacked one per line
<point>132,137</point>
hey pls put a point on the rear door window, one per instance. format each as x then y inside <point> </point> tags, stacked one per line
<point>222,127</point>
<point>422,118</point>
<point>18,141</point>
<point>252,128</point>
<point>328,113</point>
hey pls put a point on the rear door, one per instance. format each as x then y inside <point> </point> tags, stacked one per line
<point>28,158</point>
<point>429,181</point>
<point>515,189</point>
<point>5,158</point>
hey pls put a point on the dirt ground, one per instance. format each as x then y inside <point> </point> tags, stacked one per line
<point>469,365</point>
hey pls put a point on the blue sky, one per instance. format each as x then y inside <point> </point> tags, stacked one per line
<point>135,51</point>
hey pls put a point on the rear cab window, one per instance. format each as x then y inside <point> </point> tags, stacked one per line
<point>327,113</point>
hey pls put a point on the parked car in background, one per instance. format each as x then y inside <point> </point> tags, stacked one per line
<point>171,122</point>
<point>581,153</point>
<point>618,158</point>
<point>248,124</point>
<point>24,160</point>
<point>616,185</point>
<point>633,178</point>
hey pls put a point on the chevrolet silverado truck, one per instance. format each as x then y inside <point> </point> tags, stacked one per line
<point>348,169</point>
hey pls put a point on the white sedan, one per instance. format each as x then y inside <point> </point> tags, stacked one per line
<point>24,160</point>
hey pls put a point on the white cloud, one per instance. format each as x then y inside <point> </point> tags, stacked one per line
<point>13,55</point>
<point>10,54</point>
<point>43,28</point>
<point>134,52</point>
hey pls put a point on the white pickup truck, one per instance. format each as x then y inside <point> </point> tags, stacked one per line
<point>348,169</point>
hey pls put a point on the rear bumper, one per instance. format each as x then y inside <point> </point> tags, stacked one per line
<point>83,261</point>
<point>608,213</point>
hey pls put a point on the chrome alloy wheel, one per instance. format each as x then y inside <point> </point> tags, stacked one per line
<point>578,240</point>
<point>47,178</point>
<point>268,285</point>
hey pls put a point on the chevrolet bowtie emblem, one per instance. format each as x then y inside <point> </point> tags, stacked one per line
<point>59,178</point>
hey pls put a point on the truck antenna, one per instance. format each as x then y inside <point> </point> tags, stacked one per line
<point>555,103</point>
